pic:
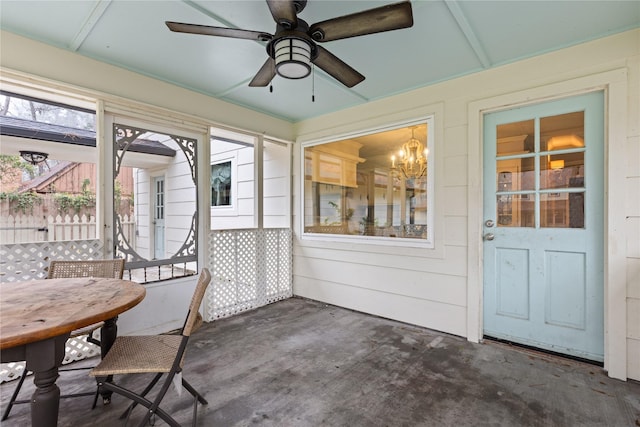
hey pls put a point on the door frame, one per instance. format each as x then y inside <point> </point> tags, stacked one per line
<point>614,85</point>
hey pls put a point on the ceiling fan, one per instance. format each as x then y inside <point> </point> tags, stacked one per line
<point>293,47</point>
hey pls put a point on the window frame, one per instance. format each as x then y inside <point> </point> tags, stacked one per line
<point>232,207</point>
<point>426,243</point>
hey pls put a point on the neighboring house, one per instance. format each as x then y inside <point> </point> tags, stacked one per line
<point>480,274</point>
<point>60,176</point>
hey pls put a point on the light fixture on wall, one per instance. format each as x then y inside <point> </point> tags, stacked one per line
<point>412,158</point>
<point>33,157</point>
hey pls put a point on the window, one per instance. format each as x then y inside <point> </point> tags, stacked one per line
<point>221,184</point>
<point>557,160</point>
<point>377,186</point>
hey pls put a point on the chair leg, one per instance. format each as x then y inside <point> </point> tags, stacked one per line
<point>95,398</point>
<point>151,406</point>
<point>92,339</point>
<point>14,396</point>
<point>143,394</point>
<point>194,392</point>
<point>155,406</point>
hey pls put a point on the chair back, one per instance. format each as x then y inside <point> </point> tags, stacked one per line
<point>104,268</point>
<point>196,300</point>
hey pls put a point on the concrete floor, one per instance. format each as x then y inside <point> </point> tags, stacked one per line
<point>304,363</point>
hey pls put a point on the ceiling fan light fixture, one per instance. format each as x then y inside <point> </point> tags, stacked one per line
<point>293,58</point>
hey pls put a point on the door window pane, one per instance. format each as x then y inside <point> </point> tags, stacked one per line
<point>562,132</point>
<point>562,171</point>
<point>562,210</point>
<point>515,210</point>
<point>515,174</point>
<point>515,138</point>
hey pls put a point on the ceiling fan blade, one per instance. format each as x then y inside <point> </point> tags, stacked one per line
<point>283,12</point>
<point>336,68</point>
<point>265,74</point>
<point>385,18</point>
<point>207,30</point>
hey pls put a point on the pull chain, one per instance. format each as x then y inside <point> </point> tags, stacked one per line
<point>313,83</point>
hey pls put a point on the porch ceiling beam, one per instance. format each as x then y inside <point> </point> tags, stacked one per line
<point>91,21</point>
<point>472,38</point>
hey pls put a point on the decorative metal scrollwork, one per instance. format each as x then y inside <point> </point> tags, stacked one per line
<point>124,137</point>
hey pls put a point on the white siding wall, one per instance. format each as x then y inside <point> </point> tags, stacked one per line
<point>180,200</point>
<point>276,188</point>
<point>441,288</point>
<point>241,212</point>
<point>632,225</point>
<point>143,210</point>
<point>179,203</point>
<point>277,185</point>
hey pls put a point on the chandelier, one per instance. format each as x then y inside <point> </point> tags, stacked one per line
<point>412,158</point>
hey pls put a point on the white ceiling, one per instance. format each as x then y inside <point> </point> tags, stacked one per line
<point>449,38</point>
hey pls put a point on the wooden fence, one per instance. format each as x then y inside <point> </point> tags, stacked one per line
<point>29,228</point>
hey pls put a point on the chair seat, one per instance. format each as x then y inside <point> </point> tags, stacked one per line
<point>139,354</point>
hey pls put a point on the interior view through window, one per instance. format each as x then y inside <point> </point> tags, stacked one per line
<point>371,185</point>
<point>541,177</point>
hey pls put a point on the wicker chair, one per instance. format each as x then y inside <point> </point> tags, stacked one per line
<point>112,268</point>
<point>159,354</point>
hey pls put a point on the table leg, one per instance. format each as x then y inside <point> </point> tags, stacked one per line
<point>108,335</point>
<point>43,358</point>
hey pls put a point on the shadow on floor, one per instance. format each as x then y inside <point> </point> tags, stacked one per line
<point>304,363</point>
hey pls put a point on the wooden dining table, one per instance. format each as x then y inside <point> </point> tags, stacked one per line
<point>37,317</point>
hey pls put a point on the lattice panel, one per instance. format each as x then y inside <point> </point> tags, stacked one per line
<point>278,269</point>
<point>250,268</point>
<point>78,349</point>
<point>29,261</point>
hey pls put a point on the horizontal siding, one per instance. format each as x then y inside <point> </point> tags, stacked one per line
<point>276,206</point>
<point>455,230</point>
<point>438,288</point>
<point>443,317</point>
<point>394,258</point>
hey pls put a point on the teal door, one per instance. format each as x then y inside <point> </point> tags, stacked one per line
<point>543,226</point>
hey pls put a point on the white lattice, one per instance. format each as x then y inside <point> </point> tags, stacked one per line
<point>29,261</point>
<point>249,268</point>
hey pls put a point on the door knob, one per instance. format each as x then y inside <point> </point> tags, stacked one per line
<point>489,236</point>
